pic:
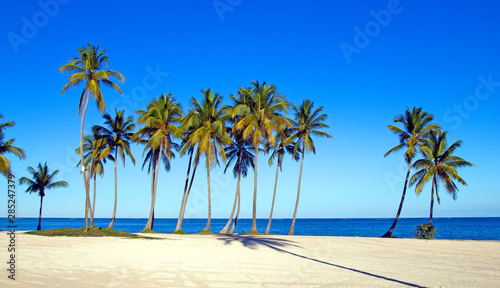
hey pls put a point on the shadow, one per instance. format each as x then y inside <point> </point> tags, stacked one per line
<point>278,244</point>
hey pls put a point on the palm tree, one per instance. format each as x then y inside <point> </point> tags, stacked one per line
<point>259,108</point>
<point>307,123</point>
<point>416,127</point>
<point>6,147</point>
<point>159,128</point>
<point>285,145</point>
<point>238,153</point>
<point>93,146</point>
<point>438,164</point>
<point>87,68</point>
<point>211,135</point>
<point>118,136</point>
<point>41,180</point>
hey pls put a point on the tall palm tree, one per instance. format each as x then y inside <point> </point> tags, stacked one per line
<point>159,120</point>
<point>438,164</point>
<point>87,68</point>
<point>416,127</point>
<point>41,180</point>
<point>238,154</point>
<point>118,134</point>
<point>260,109</point>
<point>284,146</point>
<point>6,147</point>
<point>93,148</point>
<point>211,136</point>
<point>307,123</point>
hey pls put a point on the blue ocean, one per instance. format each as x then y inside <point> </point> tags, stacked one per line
<point>446,228</point>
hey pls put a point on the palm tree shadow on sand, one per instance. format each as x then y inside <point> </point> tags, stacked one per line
<point>279,244</point>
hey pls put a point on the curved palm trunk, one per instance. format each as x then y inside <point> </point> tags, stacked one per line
<point>112,223</point>
<point>388,234</point>
<point>187,195</point>
<point>432,199</point>
<point>292,228</point>
<point>154,182</point>
<point>274,197</point>
<point>40,216</point>
<point>178,227</point>
<point>92,207</point>
<point>207,228</point>
<point>224,230</point>
<point>231,231</point>
<point>85,178</point>
<point>254,213</point>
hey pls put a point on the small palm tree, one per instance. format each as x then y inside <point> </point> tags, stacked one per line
<point>118,135</point>
<point>93,148</point>
<point>416,127</point>
<point>6,147</point>
<point>159,120</point>
<point>87,68</point>
<point>259,108</point>
<point>284,146</point>
<point>438,165</point>
<point>211,135</point>
<point>41,180</point>
<point>307,123</point>
<point>238,154</point>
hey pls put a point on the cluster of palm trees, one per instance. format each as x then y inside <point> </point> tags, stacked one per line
<point>233,134</point>
<point>418,135</point>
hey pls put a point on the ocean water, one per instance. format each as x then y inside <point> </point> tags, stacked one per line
<point>446,228</point>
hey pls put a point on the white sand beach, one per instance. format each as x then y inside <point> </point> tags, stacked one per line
<point>249,261</point>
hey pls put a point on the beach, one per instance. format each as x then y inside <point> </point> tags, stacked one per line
<point>249,261</point>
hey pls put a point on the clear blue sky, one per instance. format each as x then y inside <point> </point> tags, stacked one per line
<point>364,61</point>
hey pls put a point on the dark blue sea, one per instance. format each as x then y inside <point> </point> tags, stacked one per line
<point>446,228</point>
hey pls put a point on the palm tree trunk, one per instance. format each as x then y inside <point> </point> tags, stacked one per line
<point>388,234</point>
<point>40,216</point>
<point>207,228</point>
<point>112,223</point>
<point>154,177</point>
<point>178,227</point>
<point>274,197</point>
<point>432,199</point>
<point>254,212</point>
<point>92,207</point>
<point>187,195</point>
<point>224,230</point>
<point>85,180</point>
<point>231,231</point>
<point>292,228</point>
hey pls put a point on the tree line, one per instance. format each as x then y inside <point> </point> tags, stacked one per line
<point>228,135</point>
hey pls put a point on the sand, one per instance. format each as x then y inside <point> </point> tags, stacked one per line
<point>249,261</point>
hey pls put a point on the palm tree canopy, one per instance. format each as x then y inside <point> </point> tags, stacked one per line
<point>6,147</point>
<point>93,147</point>
<point>416,127</point>
<point>159,128</point>
<point>117,134</point>
<point>259,109</point>
<point>439,162</point>
<point>87,68</point>
<point>307,123</point>
<point>239,153</point>
<point>284,145</point>
<point>207,121</point>
<point>41,180</point>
